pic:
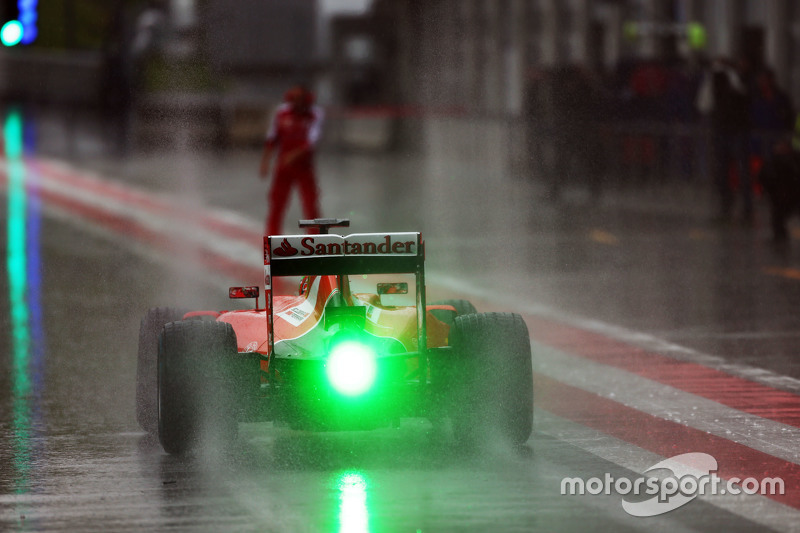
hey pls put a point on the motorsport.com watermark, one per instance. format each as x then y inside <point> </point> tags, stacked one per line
<point>692,475</point>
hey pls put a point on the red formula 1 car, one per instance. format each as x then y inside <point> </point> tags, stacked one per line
<point>356,348</point>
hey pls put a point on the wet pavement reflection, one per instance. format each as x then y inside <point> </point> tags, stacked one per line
<point>72,457</point>
<point>23,268</point>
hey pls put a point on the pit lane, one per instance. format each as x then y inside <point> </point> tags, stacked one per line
<point>74,459</point>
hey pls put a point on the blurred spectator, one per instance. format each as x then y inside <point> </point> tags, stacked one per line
<point>148,40</point>
<point>645,93</point>
<point>116,84</point>
<point>780,177</point>
<point>536,120</point>
<point>724,97</point>
<point>771,113</point>
<point>681,118</point>
<point>117,80</point>
<point>293,132</point>
<point>150,29</point>
<point>578,109</point>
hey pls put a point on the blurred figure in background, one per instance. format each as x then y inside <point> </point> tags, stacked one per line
<point>646,94</point>
<point>780,177</point>
<point>117,78</point>
<point>536,121</point>
<point>294,132</point>
<point>149,36</point>
<point>578,107</point>
<point>724,97</point>
<point>771,114</point>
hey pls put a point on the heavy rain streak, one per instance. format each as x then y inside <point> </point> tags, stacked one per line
<point>391,265</point>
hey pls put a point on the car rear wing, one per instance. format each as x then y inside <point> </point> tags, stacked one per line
<point>359,253</point>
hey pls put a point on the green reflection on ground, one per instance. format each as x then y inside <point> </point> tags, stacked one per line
<point>353,510</point>
<point>16,266</point>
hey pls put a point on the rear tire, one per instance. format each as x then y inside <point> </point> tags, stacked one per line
<point>492,373</point>
<point>442,367</point>
<point>198,373</point>
<point>462,307</point>
<point>147,367</point>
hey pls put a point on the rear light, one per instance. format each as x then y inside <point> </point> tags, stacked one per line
<point>351,368</point>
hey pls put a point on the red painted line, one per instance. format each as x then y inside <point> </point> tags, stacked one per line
<point>735,392</point>
<point>664,437</point>
<point>131,229</point>
<point>144,201</point>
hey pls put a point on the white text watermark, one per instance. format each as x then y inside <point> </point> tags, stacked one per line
<point>690,475</point>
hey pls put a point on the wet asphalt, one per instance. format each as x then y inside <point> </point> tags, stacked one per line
<point>646,260</point>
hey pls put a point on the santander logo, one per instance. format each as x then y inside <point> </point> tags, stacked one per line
<point>363,244</point>
<point>285,249</point>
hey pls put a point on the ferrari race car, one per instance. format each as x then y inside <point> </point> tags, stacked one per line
<point>355,347</point>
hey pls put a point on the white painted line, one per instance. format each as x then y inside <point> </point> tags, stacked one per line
<point>643,340</point>
<point>668,403</point>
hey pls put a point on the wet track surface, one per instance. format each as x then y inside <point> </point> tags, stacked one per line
<point>654,334</point>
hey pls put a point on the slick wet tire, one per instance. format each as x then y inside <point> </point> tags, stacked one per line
<point>462,307</point>
<point>196,385</point>
<point>146,365</point>
<point>442,367</point>
<point>492,387</point>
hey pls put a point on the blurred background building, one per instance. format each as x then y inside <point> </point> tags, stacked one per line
<point>475,53</point>
<point>415,71</point>
<point>491,62</point>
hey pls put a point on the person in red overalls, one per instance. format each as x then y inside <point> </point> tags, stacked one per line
<point>294,132</point>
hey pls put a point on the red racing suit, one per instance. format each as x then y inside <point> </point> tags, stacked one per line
<point>295,134</point>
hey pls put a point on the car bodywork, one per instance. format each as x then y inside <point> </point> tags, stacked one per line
<point>295,335</point>
<point>357,346</point>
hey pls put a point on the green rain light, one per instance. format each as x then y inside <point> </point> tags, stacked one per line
<point>11,33</point>
<point>351,368</point>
